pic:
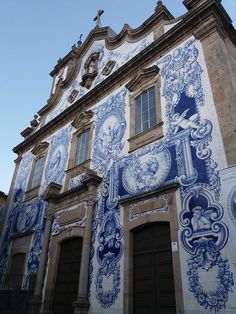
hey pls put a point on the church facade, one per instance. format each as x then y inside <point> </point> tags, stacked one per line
<point>123,198</point>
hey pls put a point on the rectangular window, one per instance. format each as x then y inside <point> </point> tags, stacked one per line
<point>82,147</point>
<point>145,110</point>
<point>37,172</point>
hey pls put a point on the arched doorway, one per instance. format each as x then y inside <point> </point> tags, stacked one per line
<point>153,281</point>
<point>67,280</point>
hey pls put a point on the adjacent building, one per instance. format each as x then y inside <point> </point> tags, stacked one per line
<point>123,198</point>
<point>3,199</point>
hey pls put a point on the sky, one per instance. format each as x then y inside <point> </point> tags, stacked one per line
<point>34,35</point>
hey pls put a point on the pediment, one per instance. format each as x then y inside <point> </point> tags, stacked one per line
<point>68,69</point>
<point>110,46</point>
<point>82,120</point>
<point>37,150</point>
<point>79,50</point>
<point>143,76</point>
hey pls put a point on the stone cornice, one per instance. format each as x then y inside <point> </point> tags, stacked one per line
<point>135,34</point>
<point>52,191</point>
<point>26,132</point>
<point>215,11</point>
<point>186,27</point>
<point>53,196</point>
<point>21,234</point>
<point>18,160</point>
<point>146,195</point>
<point>85,191</point>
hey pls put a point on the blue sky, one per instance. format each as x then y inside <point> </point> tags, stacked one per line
<point>34,35</point>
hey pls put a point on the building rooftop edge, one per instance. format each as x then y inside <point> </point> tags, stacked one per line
<point>188,22</point>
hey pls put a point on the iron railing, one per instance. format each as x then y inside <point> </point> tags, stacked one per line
<point>16,281</point>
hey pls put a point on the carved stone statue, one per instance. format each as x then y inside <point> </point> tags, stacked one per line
<point>91,68</point>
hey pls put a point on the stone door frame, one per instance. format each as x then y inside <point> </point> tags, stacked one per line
<point>54,251</point>
<point>150,207</point>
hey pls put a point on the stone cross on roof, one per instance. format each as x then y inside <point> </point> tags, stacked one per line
<point>98,18</point>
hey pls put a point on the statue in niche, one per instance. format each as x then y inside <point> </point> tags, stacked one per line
<point>200,220</point>
<point>91,68</point>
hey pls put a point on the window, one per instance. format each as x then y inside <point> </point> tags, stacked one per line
<point>40,153</point>
<point>81,143</point>
<point>145,110</point>
<point>82,147</point>
<point>37,172</point>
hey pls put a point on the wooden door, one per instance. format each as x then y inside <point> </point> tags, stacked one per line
<point>153,281</point>
<point>67,281</point>
<point>17,264</point>
<point>16,274</point>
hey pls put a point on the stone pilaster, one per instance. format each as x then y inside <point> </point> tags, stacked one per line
<point>36,302</point>
<point>9,199</point>
<point>82,304</point>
